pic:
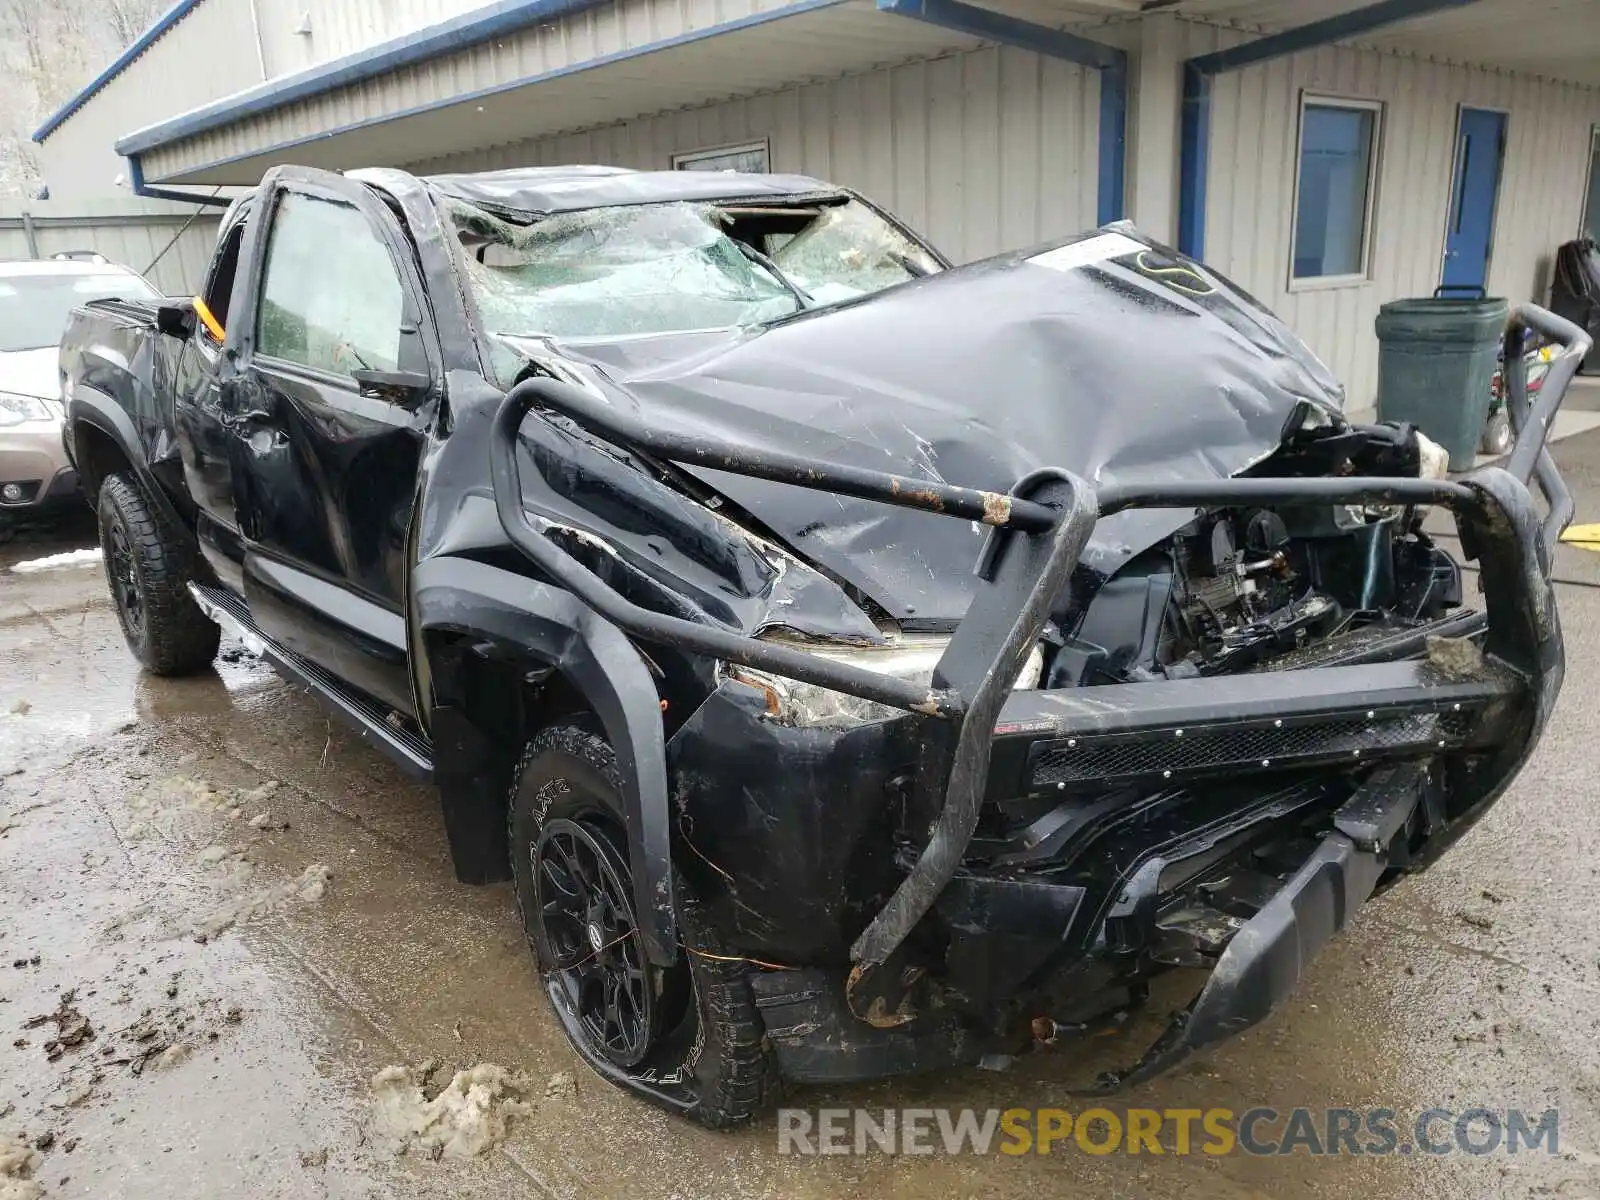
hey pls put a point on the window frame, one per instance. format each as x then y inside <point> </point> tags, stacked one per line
<point>418,342</point>
<point>679,158</point>
<point>1589,222</point>
<point>1313,283</point>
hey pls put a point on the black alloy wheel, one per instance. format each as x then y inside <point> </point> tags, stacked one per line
<point>122,572</point>
<point>591,938</point>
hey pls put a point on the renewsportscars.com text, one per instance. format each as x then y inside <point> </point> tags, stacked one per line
<point>1177,1131</point>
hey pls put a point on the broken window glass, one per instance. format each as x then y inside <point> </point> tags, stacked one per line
<point>676,266</point>
<point>605,272</point>
<point>848,250</point>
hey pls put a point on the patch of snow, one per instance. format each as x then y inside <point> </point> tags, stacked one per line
<point>52,562</point>
<point>468,1117</point>
<point>18,1162</point>
<point>310,885</point>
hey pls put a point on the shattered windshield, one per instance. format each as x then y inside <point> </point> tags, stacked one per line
<point>847,250</point>
<point>672,267</point>
<point>649,268</point>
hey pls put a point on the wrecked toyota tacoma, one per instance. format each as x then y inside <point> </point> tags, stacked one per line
<point>858,665</point>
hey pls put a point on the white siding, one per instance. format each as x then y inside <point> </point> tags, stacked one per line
<point>1253,160</point>
<point>625,25</point>
<point>981,151</point>
<point>150,236</point>
<point>340,27</point>
<point>210,54</point>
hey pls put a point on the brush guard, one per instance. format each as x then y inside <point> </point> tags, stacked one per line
<point>1038,531</point>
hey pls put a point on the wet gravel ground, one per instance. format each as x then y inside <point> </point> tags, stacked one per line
<point>221,916</point>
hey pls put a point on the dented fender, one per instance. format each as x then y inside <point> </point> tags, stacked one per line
<point>462,596</point>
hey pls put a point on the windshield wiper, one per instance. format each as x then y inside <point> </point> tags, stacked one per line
<point>762,260</point>
<point>909,265</point>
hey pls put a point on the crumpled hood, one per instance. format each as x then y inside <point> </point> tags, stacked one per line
<point>1110,356</point>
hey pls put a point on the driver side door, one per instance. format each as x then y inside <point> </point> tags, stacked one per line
<point>326,458</point>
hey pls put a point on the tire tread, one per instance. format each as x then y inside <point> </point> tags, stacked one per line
<point>179,639</point>
<point>744,1078</point>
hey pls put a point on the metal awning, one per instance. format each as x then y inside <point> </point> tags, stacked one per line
<point>1552,39</point>
<point>588,69</point>
<point>522,69</point>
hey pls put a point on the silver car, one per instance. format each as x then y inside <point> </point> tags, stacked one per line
<point>36,297</point>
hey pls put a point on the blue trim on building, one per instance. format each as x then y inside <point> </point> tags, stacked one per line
<point>458,33</point>
<point>1110,61</point>
<point>141,188</point>
<point>1321,33</point>
<point>1199,71</point>
<point>1194,139</point>
<point>997,27</point>
<point>1113,155</point>
<point>473,97</point>
<point>164,22</point>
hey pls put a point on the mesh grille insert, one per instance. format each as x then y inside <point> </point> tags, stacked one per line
<point>1112,757</point>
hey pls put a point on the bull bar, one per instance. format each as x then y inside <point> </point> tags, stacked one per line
<point>1038,531</point>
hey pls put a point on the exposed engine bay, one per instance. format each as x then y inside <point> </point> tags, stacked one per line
<point>1240,589</point>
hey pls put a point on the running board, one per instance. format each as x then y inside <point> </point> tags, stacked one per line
<point>410,752</point>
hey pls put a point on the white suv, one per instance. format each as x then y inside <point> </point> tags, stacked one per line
<point>36,298</point>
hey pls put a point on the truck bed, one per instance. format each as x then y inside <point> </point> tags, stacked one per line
<point>118,369</point>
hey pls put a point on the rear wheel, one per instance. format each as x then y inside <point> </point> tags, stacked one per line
<point>148,565</point>
<point>687,1036</point>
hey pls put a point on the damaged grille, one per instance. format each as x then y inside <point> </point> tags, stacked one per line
<point>1165,753</point>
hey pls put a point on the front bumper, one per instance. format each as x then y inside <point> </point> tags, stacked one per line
<point>1264,957</point>
<point>1302,750</point>
<point>33,459</point>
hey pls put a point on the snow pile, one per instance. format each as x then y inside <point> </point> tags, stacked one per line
<point>468,1117</point>
<point>50,562</point>
<point>18,1162</point>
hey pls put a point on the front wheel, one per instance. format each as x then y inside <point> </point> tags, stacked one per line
<point>148,566</point>
<point>687,1036</point>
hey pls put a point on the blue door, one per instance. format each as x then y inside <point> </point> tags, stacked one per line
<point>1480,142</point>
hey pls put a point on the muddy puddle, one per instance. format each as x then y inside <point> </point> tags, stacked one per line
<point>234,962</point>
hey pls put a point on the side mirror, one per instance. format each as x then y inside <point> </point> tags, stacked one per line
<point>405,388</point>
<point>176,320</point>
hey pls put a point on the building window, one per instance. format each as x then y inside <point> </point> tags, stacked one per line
<point>750,158</point>
<point>1333,194</point>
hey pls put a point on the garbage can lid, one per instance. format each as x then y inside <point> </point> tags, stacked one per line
<point>1442,318</point>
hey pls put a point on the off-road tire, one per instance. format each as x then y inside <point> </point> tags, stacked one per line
<point>719,1047</point>
<point>164,628</point>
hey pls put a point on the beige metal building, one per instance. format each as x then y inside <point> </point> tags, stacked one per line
<point>1326,154</point>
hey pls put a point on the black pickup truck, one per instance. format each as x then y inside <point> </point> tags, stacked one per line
<point>857,664</point>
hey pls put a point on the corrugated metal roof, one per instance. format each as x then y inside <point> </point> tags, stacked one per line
<point>148,38</point>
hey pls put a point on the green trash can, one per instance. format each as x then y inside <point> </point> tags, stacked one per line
<point>1436,361</point>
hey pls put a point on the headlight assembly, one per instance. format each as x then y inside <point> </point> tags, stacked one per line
<point>16,408</point>
<point>808,706</point>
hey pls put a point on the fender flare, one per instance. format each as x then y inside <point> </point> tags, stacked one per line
<point>90,406</point>
<point>463,596</point>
